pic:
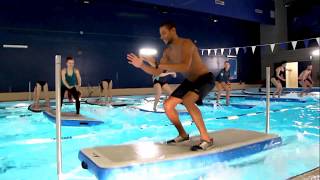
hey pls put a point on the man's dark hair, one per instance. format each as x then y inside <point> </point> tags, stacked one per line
<point>168,24</point>
<point>69,58</point>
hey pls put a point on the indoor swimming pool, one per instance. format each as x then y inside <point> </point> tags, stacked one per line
<point>28,146</point>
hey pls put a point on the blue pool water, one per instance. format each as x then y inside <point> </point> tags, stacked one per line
<point>27,144</point>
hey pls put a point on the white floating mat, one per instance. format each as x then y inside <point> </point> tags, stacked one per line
<point>240,106</point>
<point>72,119</point>
<point>104,103</point>
<point>105,161</point>
<point>148,107</point>
<point>152,98</point>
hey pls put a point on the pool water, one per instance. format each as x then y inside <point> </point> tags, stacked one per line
<point>27,141</point>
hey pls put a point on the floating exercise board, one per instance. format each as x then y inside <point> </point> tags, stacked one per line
<point>313,89</point>
<point>263,98</point>
<point>107,161</point>
<point>261,91</point>
<point>289,90</point>
<point>72,119</point>
<point>152,98</point>
<point>149,108</point>
<point>234,93</point>
<point>240,106</point>
<point>16,106</point>
<point>104,103</point>
<point>42,107</point>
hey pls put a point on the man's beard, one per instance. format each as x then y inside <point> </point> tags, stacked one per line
<point>169,42</point>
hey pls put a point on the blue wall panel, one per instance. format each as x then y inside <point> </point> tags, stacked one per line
<point>110,31</point>
<point>241,9</point>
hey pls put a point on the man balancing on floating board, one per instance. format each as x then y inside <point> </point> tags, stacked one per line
<point>181,55</point>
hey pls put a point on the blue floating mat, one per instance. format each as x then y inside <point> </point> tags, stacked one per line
<point>72,119</point>
<point>289,90</point>
<point>106,162</point>
<point>263,98</point>
<point>314,89</point>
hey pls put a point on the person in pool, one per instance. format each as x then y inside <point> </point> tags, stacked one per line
<point>181,55</point>
<point>105,90</point>
<point>305,80</point>
<point>159,82</point>
<point>71,82</point>
<point>41,86</point>
<point>222,82</point>
<point>279,78</point>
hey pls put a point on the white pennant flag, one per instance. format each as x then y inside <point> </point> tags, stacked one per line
<point>253,49</point>
<point>215,51</point>
<point>222,50</point>
<point>272,47</point>
<point>202,51</point>
<point>237,50</point>
<point>294,44</point>
<point>318,40</point>
<point>209,52</point>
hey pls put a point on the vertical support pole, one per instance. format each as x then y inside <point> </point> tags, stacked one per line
<point>267,99</point>
<point>58,114</point>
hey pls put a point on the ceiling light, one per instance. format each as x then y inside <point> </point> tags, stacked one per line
<point>148,51</point>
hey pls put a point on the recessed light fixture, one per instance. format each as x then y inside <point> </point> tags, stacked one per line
<point>86,2</point>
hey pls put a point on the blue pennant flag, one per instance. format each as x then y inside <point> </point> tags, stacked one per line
<point>283,45</point>
<point>306,43</point>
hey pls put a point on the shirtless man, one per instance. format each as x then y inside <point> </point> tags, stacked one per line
<point>182,56</point>
<point>71,82</point>
<point>305,79</point>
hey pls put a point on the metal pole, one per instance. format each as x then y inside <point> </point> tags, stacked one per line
<point>267,99</point>
<point>58,115</point>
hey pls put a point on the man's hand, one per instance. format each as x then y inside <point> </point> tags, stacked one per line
<point>134,60</point>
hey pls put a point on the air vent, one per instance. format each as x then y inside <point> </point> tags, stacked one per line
<point>219,2</point>
<point>272,14</point>
<point>258,11</point>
